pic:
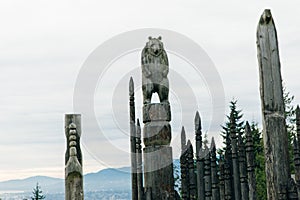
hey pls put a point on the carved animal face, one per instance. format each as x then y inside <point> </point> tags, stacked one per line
<point>155,46</point>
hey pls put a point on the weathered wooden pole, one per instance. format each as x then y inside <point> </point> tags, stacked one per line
<point>250,162</point>
<point>134,186</point>
<point>199,160</point>
<point>207,174</point>
<point>157,133</point>
<point>297,164</point>
<point>228,170</point>
<point>221,178</point>
<point>139,166</point>
<point>235,161</point>
<point>191,168</point>
<point>183,167</point>
<point>298,124</point>
<point>243,168</point>
<point>214,172</point>
<point>297,151</point>
<point>73,159</point>
<point>227,181</point>
<point>274,125</point>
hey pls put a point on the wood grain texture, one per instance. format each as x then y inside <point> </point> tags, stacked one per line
<point>274,125</point>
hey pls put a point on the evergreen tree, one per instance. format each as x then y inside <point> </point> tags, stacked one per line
<point>260,175</point>
<point>290,112</point>
<point>37,193</point>
<point>237,120</point>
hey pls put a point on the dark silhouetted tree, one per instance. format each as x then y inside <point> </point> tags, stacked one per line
<point>37,193</point>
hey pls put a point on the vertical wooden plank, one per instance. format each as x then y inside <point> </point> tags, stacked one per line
<point>274,125</point>
<point>134,186</point>
<point>250,163</point>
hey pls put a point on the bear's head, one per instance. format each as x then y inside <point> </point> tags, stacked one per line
<point>155,46</point>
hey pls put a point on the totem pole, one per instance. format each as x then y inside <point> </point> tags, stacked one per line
<point>158,159</point>
<point>199,159</point>
<point>73,158</point>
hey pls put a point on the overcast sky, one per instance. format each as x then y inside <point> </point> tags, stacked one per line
<point>44,45</point>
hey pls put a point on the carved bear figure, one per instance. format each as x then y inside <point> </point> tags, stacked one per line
<point>155,68</point>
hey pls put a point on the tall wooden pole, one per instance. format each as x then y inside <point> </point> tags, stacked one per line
<point>228,189</point>
<point>199,159</point>
<point>250,162</point>
<point>274,125</point>
<point>139,167</point>
<point>183,167</point>
<point>73,168</point>
<point>207,174</point>
<point>243,168</point>
<point>192,175</point>
<point>297,151</point>
<point>221,178</point>
<point>214,172</point>
<point>134,186</point>
<point>235,161</point>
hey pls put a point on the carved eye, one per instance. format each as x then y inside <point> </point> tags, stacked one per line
<point>159,37</point>
<point>150,38</point>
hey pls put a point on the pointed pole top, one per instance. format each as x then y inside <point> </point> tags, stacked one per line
<point>212,144</point>
<point>197,121</point>
<point>247,129</point>
<point>183,138</point>
<point>131,87</point>
<point>297,111</point>
<point>138,122</point>
<point>189,143</point>
<point>266,17</point>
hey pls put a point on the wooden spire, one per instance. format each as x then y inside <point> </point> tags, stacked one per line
<point>199,159</point>
<point>250,162</point>
<point>274,125</point>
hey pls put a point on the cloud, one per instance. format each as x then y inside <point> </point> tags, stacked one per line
<point>43,46</point>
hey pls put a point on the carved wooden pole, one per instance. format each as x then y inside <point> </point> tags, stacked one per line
<point>298,124</point>
<point>297,151</point>
<point>222,184</point>
<point>274,125</point>
<point>134,186</point>
<point>243,168</point>
<point>207,174</point>
<point>227,181</point>
<point>235,162</point>
<point>157,134</point>
<point>199,160</point>
<point>73,168</point>
<point>250,162</point>
<point>214,172</point>
<point>183,167</point>
<point>192,175</point>
<point>228,170</point>
<point>139,162</point>
<point>297,163</point>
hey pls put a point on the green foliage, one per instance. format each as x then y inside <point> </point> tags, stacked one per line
<point>290,112</point>
<point>260,175</point>
<point>37,193</point>
<point>238,124</point>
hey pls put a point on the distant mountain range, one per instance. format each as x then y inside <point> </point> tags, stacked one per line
<point>107,179</point>
<point>105,184</point>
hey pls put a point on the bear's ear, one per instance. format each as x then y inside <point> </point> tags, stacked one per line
<point>150,38</point>
<point>159,37</point>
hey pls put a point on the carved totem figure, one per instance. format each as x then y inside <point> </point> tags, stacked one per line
<point>155,68</point>
<point>73,168</point>
<point>158,159</point>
